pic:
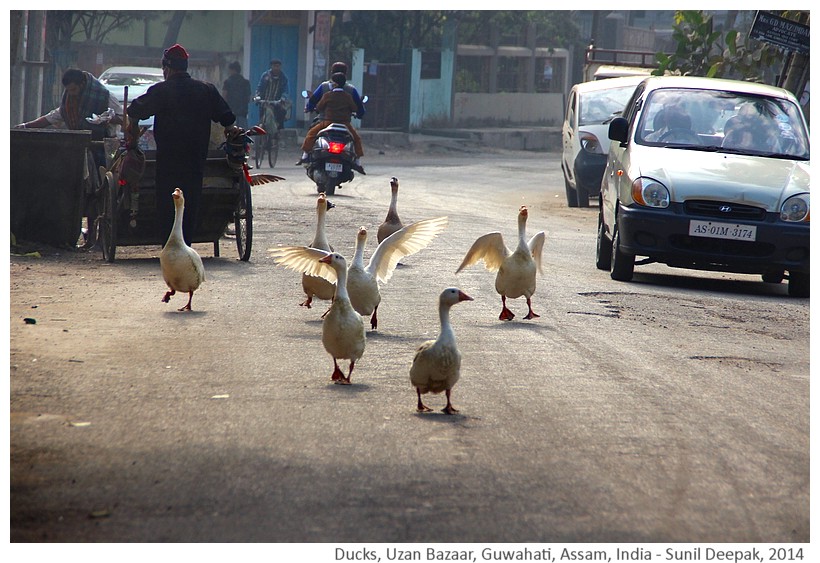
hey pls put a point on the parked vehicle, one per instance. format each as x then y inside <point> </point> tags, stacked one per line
<point>708,174</point>
<point>590,107</point>
<point>138,79</point>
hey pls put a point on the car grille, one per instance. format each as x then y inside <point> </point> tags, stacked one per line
<point>724,210</point>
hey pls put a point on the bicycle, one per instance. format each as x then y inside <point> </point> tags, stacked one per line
<point>268,143</point>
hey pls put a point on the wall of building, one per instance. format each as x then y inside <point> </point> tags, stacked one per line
<point>431,98</point>
<point>508,109</point>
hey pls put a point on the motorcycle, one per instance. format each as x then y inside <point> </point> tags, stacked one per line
<point>332,156</point>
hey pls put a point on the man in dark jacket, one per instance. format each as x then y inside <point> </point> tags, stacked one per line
<point>237,92</point>
<point>183,108</point>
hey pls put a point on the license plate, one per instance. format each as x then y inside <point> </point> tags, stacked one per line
<point>334,167</point>
<point>730,231</point>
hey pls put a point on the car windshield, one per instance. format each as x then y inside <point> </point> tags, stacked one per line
<point>723,121</point>
<point>122,79</point>
<point>599,105</point>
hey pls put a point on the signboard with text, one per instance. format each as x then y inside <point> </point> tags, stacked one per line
<point>788,34</point>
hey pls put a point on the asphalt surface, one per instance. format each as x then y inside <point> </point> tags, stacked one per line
<point>671,409</point>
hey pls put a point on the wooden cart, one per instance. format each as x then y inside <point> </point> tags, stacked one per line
<point>128,217</point>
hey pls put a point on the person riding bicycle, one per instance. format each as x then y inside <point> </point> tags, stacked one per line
<point>273,87</point>
<point>337,107</point>
<point>327,86</point>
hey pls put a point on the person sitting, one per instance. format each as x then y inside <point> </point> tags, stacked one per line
<point>749,130</point>
<point>667,121</point>
<point>327,86</point>
<point>338,107</point>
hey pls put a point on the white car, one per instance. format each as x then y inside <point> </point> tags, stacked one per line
<point>138,79</point>
<point>590,107</point>
<point>708,174</point>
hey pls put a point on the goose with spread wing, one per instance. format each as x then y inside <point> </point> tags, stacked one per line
<point>363,280</point>
<point>516,270</point>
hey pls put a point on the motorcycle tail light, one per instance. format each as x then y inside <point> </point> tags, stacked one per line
<point>336,148</point>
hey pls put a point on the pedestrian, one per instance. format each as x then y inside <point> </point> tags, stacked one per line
<point>237,92</point>
<point>337,106</point>
<point>327,86</point>
<point>273,87</point>
<point>183,109</point>
<point>83,96</point>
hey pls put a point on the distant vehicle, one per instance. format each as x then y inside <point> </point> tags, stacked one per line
<point>138,79</point>
<point>708,174</point>
<point>602,64</point>
<point>590,107</point>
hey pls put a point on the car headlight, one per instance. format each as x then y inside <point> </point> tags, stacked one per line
<point>590,143</point>
<point>795,209</point>
<point>650,193</point>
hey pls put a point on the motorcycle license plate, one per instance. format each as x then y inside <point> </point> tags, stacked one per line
<point>729,231</point>
<point>334,167</point>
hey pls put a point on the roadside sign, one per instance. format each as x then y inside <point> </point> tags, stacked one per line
<point>788,34</point>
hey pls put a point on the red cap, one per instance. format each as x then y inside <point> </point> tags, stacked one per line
<point>176,51</point>
<point>175,57</point>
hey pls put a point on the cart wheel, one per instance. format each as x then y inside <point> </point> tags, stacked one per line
<point>273,149</point>
<point>108,217</point>
<point>243,220</point>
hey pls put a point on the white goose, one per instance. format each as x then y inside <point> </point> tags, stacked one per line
<point>317,286</point>
<point>437,363</point>
<point>181,266</point>
<point>343,334</point>
<point>363,281</point>
<point>391,223</point>
<point>516,270</point>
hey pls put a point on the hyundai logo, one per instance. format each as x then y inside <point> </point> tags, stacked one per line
<point>725,209</point>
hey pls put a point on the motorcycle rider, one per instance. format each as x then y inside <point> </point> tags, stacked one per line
<point>337,106</point>
<point>327,86</point>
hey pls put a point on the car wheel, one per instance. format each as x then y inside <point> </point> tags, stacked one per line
<point>581,193</point>
<point>603,247</point>
<point>622,265</point>
<point>799,284</point>
<point>774,277</point>
<point>572,196</point>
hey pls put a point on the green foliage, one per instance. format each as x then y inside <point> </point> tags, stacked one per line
<point>386,36</point>
<point>701,51</point>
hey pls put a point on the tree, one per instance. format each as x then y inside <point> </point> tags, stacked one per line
<point>703,51</point>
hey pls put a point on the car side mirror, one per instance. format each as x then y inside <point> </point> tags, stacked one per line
<point>619,130</point>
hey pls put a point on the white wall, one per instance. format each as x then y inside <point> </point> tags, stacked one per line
<point>508,109</point>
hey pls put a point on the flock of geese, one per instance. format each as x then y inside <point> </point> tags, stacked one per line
<point>353,288</point>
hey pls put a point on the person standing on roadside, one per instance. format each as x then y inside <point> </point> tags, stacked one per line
<point>237,92</point>
<point>183,109</point>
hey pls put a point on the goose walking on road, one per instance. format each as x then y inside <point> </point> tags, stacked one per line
<point>363,281</point>
<point>181,265</point>
<point>316,286</point>
<point>391,223</point>
<point>437,363</point>
<point>516,270</point>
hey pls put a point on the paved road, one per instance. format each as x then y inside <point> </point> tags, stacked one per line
<point>671,409</point>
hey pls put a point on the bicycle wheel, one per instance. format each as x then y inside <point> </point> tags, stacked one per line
<point>260,146</point>
<point>108,217</point>
<point>243,220</point>
<point>273,149</point>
